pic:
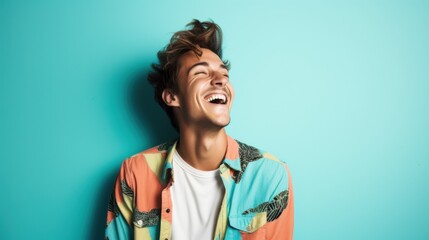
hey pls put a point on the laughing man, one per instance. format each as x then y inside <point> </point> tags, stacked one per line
<point>204,185</point>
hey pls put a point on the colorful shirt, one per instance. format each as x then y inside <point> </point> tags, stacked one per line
<point>258,200</point>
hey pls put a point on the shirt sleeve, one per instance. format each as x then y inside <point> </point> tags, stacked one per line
<point>282,227</point>
<point>120,208</point>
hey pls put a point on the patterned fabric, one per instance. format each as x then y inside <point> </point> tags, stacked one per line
<point>258,201</point>
<point>273,208</point>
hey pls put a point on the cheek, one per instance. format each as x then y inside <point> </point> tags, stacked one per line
<point>197,87</point>
<point>191,95</point>
<point>231,89</point>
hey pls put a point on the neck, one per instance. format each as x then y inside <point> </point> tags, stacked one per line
<point>203,150</point>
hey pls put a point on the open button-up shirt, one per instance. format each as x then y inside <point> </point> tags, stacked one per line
<point>258,200</point>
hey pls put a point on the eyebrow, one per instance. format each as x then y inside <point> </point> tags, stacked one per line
<point>205,64</point>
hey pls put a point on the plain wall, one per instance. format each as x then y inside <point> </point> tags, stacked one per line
<point>339,89</point>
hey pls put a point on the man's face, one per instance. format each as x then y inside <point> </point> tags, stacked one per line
<point>204,93</point>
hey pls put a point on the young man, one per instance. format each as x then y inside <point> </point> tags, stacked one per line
<point>205,185</point>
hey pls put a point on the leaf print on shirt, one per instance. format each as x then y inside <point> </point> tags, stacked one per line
<point>126,189</point>
<point>113,206</point>
<point>273,208</point>
<point>144,219</point>
<point>247,154</point>
<point>165,146</point>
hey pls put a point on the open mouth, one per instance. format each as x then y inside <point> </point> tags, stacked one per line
<point>216,99</point>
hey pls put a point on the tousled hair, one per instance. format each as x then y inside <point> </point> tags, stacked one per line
<point>165,73</point>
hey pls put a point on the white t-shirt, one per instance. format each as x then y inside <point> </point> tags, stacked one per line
<point>196,197</point>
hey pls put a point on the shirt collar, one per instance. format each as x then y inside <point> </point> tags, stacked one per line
<point>232,158</point>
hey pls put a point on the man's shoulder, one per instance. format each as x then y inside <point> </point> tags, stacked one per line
<point>150,156</point>
<point>263,178</point>
<point>258,163</point>
<point>158,149</point>
<point>250,153</point>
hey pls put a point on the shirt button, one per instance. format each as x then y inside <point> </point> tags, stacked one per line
<point>168,211</point>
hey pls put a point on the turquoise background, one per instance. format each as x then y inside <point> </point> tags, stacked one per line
<point>337,88</point>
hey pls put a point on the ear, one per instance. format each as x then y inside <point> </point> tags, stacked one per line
<point>170,98</point>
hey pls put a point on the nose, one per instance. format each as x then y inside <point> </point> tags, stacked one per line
<point>219,80</point>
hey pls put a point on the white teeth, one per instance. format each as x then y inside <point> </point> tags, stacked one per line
<point>216,96</point>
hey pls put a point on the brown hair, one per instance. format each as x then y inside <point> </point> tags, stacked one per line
<point>164,74</point>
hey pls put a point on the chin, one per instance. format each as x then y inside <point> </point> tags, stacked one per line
<point>223,123</point>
